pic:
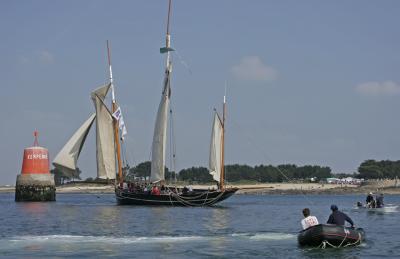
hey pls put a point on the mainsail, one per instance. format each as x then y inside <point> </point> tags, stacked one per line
<point>105,148</point>
<point>67,158</point>
<point>215,161</point>
<point>160,133</point>
<point>160,129</point>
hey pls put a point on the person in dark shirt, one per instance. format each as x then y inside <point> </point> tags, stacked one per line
<point>379,201</point>
<point>338,218</point>
<point>370,200</point>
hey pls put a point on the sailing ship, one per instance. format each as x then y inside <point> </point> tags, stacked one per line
<point>109,124</point>
<point>171,195</point>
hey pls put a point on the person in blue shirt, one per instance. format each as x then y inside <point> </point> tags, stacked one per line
<point>379,201</point>
<point>338,218</point>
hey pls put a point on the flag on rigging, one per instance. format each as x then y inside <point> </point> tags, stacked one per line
<point>121,124</point>
<point>122,127</point>
<point>117,114</point>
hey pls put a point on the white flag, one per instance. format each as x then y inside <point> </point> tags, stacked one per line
<point>122,127</point>
<point>121,124</point>
<point>117,114</point>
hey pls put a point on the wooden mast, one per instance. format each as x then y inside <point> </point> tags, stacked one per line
<point>115,121</point>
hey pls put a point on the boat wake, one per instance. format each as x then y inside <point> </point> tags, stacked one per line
<point>72,239</point>
<point>266,236</point>
<point>104,239</point>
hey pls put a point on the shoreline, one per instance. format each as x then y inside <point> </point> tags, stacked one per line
<point>244,189</point>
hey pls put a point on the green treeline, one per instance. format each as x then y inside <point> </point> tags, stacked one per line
<point>371,169</point>
<point>236,172</point>
<point>280,173</point>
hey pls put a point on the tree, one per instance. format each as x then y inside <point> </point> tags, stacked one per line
<point>170,175</point>
<point>141,170</point>
<point>371,169</point>
<point>198,174</point>
<point>237,172</point>
<point>144,170</point>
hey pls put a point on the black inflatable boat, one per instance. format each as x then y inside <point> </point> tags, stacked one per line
<point>327,235</point>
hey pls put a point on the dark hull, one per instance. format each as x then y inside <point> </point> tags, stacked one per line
<point>195,198</point>
<point>330,235</point>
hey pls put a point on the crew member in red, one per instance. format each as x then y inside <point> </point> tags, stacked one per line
<point>155,190</point>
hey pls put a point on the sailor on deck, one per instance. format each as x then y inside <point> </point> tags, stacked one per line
<point>308,220</point>
<point>338,218</point>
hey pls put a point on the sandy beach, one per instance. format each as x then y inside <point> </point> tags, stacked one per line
<point>264,188</point>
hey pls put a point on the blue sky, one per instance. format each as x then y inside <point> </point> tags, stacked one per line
<point>309,82</point>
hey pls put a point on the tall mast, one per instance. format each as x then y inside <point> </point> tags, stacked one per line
<point>222,179</point>
<point>168,36</point>
<point>167,47</point>
<point>160,128</point>
<point>115,122</point>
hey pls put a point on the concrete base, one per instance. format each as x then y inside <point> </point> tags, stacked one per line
<point>35,187</point>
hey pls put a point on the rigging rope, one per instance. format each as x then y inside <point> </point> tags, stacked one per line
<point>172,146</point>
<point>183,62</point>
<point>324,243</point>
<point>128,153</point>
<point>188,203</point>
<point>170,140</point>
<point>187,200</point>
<point>123,151</point>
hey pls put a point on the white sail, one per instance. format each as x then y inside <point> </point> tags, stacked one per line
<point>67,158</point>
<point>105,148</point>
<point>160,133</point>
<point>215,161</point>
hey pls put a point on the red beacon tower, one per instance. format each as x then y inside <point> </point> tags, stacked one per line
<point>35,183</point>
<point>36,159</point>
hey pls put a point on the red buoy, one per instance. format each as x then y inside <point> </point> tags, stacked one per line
<point>36,161</point>
<point>35,183</point>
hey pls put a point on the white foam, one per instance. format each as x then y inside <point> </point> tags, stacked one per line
<point>265,236</point>
<point>73,239</point>
<point>273,236</point>
<point>103,239</point>
<point>390,208</point>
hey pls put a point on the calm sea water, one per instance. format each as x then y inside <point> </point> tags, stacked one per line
<point>244,226</point>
